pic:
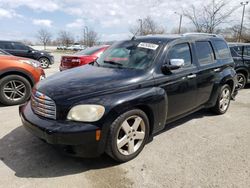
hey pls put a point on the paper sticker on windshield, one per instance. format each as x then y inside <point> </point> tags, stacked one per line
<point>150,46</point>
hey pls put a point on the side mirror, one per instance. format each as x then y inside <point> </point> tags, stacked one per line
<point>173,65</point>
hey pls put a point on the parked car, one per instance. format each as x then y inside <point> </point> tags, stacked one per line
<point>241,56</point>
<point>89,55</point>
<point>17,77</point>
<point>116,106</point>
<point>76,47</point>
<point>21,50</point>
<point>61,47</point>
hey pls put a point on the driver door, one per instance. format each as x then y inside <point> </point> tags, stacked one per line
<point>181,84</point>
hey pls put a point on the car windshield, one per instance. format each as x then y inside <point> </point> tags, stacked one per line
<point>129,54</point>
<point>89,51</point>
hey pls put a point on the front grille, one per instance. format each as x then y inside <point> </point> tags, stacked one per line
<point>43,106</point>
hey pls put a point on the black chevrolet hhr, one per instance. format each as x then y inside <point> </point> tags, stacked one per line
<point>130,93</point>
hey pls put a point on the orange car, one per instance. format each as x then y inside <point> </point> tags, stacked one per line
<point>17,77</point>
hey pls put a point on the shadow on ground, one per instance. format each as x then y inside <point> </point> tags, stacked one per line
<point>29,157</point>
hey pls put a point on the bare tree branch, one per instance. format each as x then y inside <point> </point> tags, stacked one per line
<point>44,37</point>
<point>92,38</point>
<point>149,26</point>
<point>65,38</point>
<point>210,16</point>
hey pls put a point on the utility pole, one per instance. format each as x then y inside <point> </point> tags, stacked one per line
<point>242,19</point>
<point>140,20</point>
<point>180,22</point>
<point>86,35</point>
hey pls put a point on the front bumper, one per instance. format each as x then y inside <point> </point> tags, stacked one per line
<point>52,60</point>
<point>75,138</point>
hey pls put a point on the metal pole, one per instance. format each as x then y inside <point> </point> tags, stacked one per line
<point>87,35</point>
<point>84,36</point>
<point>140,20</point>
<point>242,19</point>
<point>180,22</point>
<point>179,31</point>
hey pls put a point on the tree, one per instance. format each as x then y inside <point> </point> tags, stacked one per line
<point>44,37</point>
<point>65,38</point>
<point>147,26</point>
<point>208,17</point>
<point>231,34</point>
<point>91,38</point>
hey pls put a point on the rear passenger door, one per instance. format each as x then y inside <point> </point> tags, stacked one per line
<point>246,57</point>
<point>208,69</point>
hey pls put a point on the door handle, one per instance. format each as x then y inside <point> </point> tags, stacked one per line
<point>217,70</point>
<point>191,76</point>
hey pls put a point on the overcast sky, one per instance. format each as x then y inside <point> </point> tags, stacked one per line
<point>21,19</point>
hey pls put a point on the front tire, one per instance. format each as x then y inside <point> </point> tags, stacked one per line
<point>223,100</point>
<point>14,89</point>
<point>128,135</point>
<point>44,62</point>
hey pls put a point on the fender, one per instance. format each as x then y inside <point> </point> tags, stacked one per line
<point>18,71</point>
<point>153,101</point>
<point>242,68</point>
<point>228,75</point>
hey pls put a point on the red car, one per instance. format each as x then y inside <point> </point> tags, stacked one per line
<point>86,56</point>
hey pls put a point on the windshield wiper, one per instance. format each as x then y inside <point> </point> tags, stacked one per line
<point>113,63</point>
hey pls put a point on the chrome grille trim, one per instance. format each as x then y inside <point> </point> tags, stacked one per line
<point>43,106</point>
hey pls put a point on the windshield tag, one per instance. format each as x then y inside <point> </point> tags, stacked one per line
<point>150,46</point>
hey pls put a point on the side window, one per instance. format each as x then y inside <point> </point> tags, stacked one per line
<point>246,50</point>
<point>181,51</point>
<point>237,49</point>
<point>19,46</point>
<point>205,52</point>
<point>6,46</point>
<point>222,48</point>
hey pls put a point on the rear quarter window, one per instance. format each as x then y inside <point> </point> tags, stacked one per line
<point>223,51</point>
<point>246,50</point>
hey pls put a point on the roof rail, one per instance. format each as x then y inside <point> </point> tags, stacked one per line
<point>207,34</point>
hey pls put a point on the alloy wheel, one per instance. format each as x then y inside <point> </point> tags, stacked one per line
<point>14,90</point>
<point>224,99</point>
<point>44,62</point>
<point>241,81</point>
<point>131,135</point>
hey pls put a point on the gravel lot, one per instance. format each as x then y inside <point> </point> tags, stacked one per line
<point>201,150</point>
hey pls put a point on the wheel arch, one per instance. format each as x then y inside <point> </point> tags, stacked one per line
<point>243,71</point>
<point>19,73</point>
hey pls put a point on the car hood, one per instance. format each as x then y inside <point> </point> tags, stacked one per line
<point>87,81</point>
<point>12,57</point>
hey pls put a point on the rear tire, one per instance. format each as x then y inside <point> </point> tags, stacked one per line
<point>14,89</point>
<point>44,62</point>
<point>242,80</point>
<point>128,135</point>
<point>223,100</point>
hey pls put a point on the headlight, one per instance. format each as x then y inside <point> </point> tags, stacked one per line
<point>86,113</point>
<point>31,62</point>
